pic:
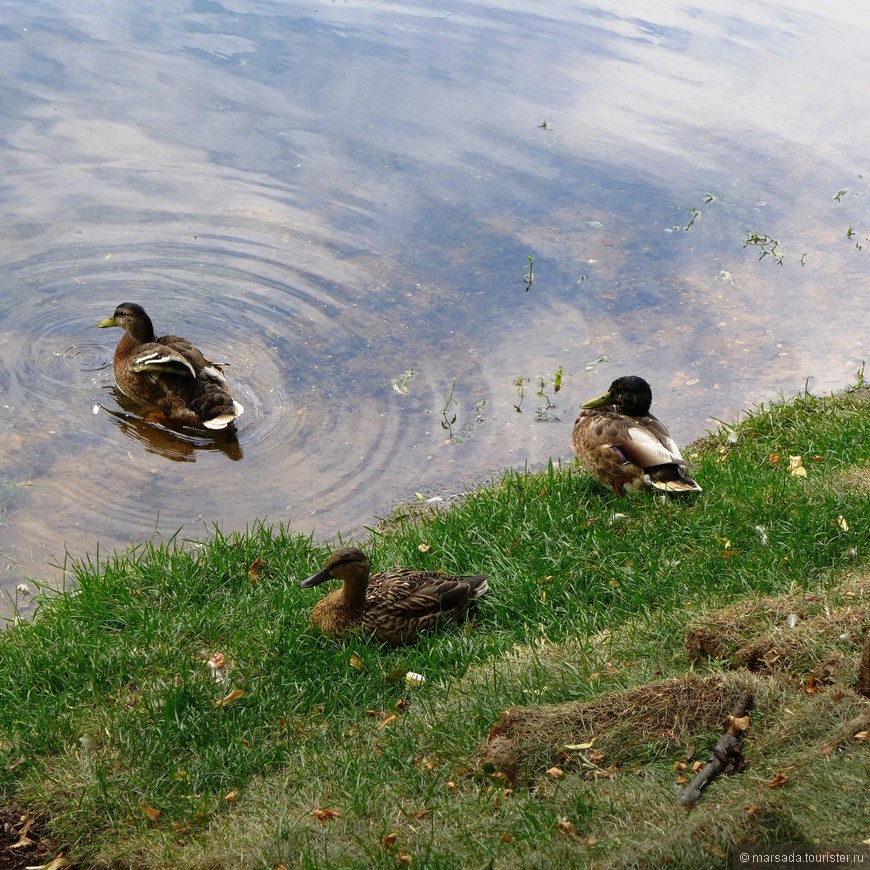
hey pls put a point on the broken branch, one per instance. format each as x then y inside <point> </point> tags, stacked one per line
<point>727,755</point>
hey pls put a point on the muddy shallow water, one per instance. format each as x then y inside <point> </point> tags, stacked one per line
<point>341,201</point>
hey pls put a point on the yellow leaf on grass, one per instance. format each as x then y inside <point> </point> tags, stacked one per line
<point>152,812</point>
<point>230,796</point>
<point>555,773</point>
<point>796,466</point>
<point>843,523</point>
<point>58,863</point>
<point>229,699</point>
<point>357,662</point>
<point>580,745</point>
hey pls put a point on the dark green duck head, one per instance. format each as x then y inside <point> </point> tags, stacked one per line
<point>630,395</point>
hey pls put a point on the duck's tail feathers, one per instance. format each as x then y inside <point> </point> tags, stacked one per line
<point>684,484</point>
<point>224,420</point>
<point>479,586</point>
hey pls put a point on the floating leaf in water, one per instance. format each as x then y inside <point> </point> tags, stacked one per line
<point>400,382</point>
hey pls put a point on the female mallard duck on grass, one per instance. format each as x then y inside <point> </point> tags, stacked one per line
<point>169,373</point>
<point>624,446</point>
<point>394,606</point>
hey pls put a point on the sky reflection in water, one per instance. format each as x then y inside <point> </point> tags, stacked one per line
<point>329,196</point>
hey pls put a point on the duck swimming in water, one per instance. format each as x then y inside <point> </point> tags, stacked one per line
<point>624,446</point>
<point>393,607</point>
<point>169,374</point>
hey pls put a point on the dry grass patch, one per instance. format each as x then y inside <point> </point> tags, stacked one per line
<point>810,638</point>
<point>667,717</point>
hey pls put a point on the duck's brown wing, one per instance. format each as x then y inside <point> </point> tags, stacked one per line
<point>200,364</point>
<point>155,358</point>
<point>402,603</point>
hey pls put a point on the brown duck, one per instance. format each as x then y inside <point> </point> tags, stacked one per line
<point>393,606</point>
<point>624,446</point>
<point>169,374</point>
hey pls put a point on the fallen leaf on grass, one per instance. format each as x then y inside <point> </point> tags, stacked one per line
<point>357,662</point>
<point>229,699</point>
<point>555,773</point>
<point>404,858</point>
<point>580,746</point>
<point>778,781</point>
<point>862,737</point>
<point>325,815</point>
<point>740,723</point>
<point>388,841</point>
<point>23,841</point>
<point>152,812</point>
<point>388,720</point>
<point>56,864</point>
<point>230,796</point>
<point>256,569</point>
<point>796,466</point>
<point>812,687</point>
<point>507,837</point>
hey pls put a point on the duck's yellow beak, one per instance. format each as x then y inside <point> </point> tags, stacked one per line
<point>109,321</point>
<point>597,403</point>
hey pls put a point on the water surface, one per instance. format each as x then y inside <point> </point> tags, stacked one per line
<point>332,196</point>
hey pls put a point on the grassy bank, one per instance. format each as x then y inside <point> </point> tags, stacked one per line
<point>114,735</point>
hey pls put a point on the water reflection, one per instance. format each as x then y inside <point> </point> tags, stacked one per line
<point>179,445</point>
<point>331,196</point>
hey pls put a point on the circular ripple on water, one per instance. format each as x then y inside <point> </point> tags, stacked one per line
<point>307,444</point>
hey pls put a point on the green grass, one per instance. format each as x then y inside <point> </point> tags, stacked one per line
<point>107,705</point>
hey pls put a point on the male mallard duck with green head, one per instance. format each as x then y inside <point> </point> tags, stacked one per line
<point>168,373</point>
<point>392,607</point>
<point>624,446</point>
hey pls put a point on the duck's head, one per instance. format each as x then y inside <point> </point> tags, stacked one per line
<point>133,320</point>
<point>348,565</point>
<point>630,395</point>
